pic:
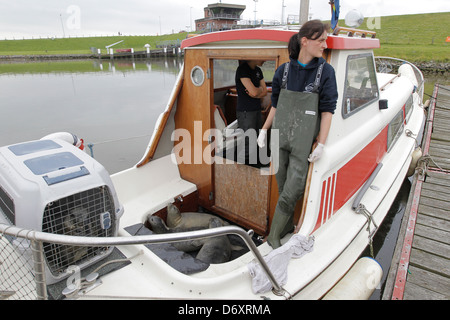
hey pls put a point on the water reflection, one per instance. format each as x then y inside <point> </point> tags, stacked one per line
<point>16,68</point>
<point>111,104</point>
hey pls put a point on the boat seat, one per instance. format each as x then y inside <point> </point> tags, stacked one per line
<point>220,122</point>
<point>230,132</point>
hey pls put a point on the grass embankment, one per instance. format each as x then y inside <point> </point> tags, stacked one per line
<point>74,46</point>
<point>416,38</point>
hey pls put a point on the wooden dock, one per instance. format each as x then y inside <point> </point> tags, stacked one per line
<point>420,268</point>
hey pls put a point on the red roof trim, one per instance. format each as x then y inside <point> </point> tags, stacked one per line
<point>348,43</point>
<point>246,34</point>
<point>333,42</point>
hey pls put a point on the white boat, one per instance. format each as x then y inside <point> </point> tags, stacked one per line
<point>349,191</point>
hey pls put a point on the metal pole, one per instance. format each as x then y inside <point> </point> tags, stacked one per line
<point>255,11</point>
<point>62,25</point>
<point>39,269</point>
<point>304,11</point>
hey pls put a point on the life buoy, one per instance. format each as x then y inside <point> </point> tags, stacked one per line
<point>68,137</point>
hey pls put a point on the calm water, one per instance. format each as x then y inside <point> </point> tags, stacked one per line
<point>114,107</point>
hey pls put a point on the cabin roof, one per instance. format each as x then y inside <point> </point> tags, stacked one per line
<point>334,42</point>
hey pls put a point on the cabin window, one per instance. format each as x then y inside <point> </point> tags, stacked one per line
<point>361,87</point>
<point>408,107</point>
<point>395,129</point>
<point>197,76</point>
<point>225,72</point>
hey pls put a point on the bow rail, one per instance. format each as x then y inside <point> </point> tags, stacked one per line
<point>38,238</point>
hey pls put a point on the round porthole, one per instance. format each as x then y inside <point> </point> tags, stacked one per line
<point>197,76</point>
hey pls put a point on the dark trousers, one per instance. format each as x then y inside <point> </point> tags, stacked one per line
<point>297,120</point>
<point>248,120</point>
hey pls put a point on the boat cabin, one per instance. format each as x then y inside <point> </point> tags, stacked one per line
<point>205,99</point>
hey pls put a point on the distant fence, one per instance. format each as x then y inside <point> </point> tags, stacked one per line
<point>169,44</point>
<point>54,37</point>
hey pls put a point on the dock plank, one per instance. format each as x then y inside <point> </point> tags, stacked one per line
<point>428,279</point>
<point>430,262</point>
<point>442,180</point>
<point>431,246</point>
<point>435,194</point>
<point>442,136</point>
<point>434,212</point>
<point>438,187</point>
<point>415,292</point>
<point>433,222</point>
<point>431,233</point>
<point>443,124</point>
<point>440,147</point>
<point>435,203</point>
<point>437,177</point>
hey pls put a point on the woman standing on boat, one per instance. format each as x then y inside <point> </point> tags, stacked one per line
<point>304,95</point>
<point>251,87</point>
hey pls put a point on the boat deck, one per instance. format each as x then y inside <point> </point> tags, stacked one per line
<point>420,268</point>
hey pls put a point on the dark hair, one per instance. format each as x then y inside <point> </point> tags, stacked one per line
<point>311,30</point>
<point>294,47</point>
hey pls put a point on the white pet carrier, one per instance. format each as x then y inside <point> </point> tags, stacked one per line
<point>52,186</point>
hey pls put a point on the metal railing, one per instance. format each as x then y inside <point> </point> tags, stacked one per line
<point>9,255</point>
<point>224,16</point>
<point>389,64</point>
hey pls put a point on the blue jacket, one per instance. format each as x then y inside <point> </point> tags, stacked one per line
<point>301,78</point>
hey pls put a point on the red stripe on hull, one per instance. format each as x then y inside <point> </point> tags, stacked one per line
<point>333,189</point>
<point>349,179</point>
<point>322,202</point>
<point>354,174</point>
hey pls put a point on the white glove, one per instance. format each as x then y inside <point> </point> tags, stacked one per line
<point>317,153</point>
<point>262,138</point>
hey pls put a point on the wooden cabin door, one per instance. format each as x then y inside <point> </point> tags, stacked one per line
<point>240,192</point>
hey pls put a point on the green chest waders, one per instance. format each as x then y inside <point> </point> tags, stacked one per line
<point>298,121</point>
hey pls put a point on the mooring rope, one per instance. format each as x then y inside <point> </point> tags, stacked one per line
<point>369,216</point>
<point>92,144</point>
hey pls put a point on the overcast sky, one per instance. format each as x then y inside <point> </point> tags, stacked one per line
<point>48,18</point>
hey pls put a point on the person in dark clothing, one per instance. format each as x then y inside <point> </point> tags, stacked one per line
<point>304,95</point>
<point>251,87</point>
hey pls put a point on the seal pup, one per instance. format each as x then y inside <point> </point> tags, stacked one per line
<point>217,249</point>
<point>210,250</point>
<point>189,221</point>
<point>158,226</point>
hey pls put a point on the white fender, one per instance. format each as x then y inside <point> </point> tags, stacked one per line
<point>416,155</point>
<point>359,283</point>
<point>407,71</point>
<point>68,137</point>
